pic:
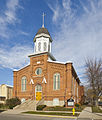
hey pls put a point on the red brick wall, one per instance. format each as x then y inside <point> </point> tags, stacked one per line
<point>48,70</point>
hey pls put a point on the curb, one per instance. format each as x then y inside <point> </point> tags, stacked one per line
<point>50,116</point>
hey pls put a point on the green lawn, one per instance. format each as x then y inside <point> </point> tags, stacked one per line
<point>96,109</point>
<point>58,108</point>
<point>51,113</point>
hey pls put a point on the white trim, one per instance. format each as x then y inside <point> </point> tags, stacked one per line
<point>31,81</point>
<point>2,96</point>
<point>69,62</point>
<point>56,62</point>
<point>15,70</point>
<point>38,62</point>
<point>42,34</point>
<point>59,62</point>
<point>7,85</point>
<point>44,80</point>
<point>36,53</point>
<point>42,53</point>
<point>22,67</point>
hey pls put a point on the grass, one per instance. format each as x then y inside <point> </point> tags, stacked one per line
<point>3,106</point>
<point>96,109</point>
<point>58,108</point>
<point>51,113</point>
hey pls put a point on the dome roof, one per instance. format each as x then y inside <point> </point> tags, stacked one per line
<point>43,30</point>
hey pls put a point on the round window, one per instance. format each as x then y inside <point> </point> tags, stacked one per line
<point>38,71</point>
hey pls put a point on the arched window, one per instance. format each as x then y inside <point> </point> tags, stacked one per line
<point>38,88</point>
<point>45,46</point>
<point>39,46</point>
<point>23,83</point>
<point>38,71</point>
<point>56,81</point>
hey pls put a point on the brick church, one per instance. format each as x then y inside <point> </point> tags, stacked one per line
<point>46,79</point>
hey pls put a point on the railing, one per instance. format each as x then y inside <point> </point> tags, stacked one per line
<point>41,102</point>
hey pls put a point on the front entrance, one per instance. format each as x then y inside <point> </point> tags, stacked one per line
<point>38,92</point>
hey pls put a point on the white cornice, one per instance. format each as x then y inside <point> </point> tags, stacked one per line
<point>21,67</point>
<point>38,54</point>
<point>7,85</point>
<point>59,62</point>
<point>42,34</point>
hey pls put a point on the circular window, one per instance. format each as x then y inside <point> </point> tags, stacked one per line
<point>38,71</point>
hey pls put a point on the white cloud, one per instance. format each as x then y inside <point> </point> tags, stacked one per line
<point>55,10</point>
<point>79,32</point>
<point>10,12</point>
<point>15,57</point>
<point>23,33</point>
<point>8,17</point>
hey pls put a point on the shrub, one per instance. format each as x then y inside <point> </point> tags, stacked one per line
<point>41,107</point>
<point>77,105</point>
<point>13,102</point>
<point>1,105</point>
<point>57,108</point>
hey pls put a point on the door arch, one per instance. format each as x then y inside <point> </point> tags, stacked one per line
<point>38,92</point>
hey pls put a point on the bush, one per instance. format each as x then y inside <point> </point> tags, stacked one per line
<point>1,105</point>
<point>77,105</point>
<point>41,107</point>
<point>13,102</point>
<point>57,108</point>
<point>96,109</point>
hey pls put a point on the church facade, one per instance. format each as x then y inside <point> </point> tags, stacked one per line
<point>46,79</point>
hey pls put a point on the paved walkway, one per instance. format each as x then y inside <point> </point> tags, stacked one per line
<point>13,111</point>
<point>18,112</point>
<point>87,114</point>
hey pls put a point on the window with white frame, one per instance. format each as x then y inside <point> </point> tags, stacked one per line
<point>56,81</point>
<point>38,71</point>
<point>39,46</point>
<point>23,84</point>
<point>45,46</point>
<point>38,88</point>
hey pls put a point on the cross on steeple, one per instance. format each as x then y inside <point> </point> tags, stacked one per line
<point>43,19</point>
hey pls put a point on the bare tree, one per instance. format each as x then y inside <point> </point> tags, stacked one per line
<point>94,77</point>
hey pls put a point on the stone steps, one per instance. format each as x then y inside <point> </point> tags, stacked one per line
<point>27,105</point>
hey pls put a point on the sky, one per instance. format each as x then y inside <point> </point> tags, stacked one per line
<point>74,25</point>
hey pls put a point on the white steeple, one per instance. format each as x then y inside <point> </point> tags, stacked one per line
<point>42,40</point>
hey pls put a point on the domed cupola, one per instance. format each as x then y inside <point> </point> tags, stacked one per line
<point>42,41</point>
<point>43,30</point>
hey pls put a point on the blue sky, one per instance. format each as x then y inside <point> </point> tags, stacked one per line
<point>75,27</point>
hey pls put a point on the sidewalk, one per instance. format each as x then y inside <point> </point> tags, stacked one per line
<point>19,112</point>
<point>13,111</point>
<point>87,114</point>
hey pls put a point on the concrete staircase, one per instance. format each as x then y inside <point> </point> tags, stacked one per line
<point>27,105</point>
<point>41,102</point>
